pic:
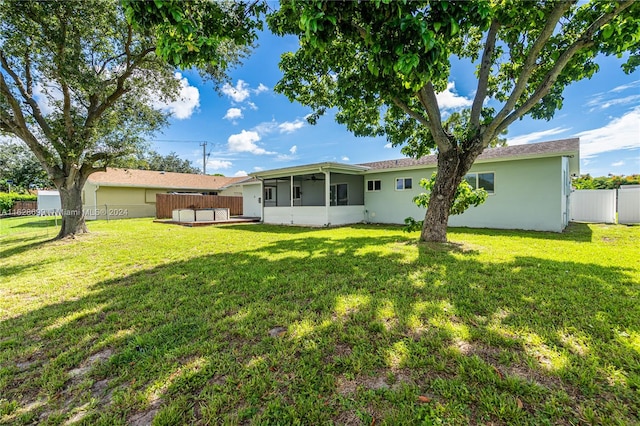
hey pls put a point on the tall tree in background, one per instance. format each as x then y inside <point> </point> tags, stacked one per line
<point>382,63</point>
<point>152,160</point>
<point>20,166</point>
<point>78,81</point>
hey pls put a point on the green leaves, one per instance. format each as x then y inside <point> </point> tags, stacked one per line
<point>465,196</point>
<point>199,33</point>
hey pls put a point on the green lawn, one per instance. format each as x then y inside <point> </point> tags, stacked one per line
<point>140,321</point>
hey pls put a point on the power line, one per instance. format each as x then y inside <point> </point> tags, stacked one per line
<point>178,141</point>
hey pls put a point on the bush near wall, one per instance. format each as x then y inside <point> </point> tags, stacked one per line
<point>7,200</point>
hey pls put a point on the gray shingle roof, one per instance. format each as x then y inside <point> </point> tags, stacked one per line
<point>532,150</point>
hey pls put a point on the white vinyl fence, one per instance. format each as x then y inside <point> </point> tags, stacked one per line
<point>628,205</point>
<point>600,205</point>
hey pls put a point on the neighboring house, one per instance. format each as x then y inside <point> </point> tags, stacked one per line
<point>122,193</point>
<point>529,187</point>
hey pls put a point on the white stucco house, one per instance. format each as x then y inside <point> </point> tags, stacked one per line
<point>529,187</point>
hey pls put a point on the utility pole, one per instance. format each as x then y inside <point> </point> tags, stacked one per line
<point>204,157</point>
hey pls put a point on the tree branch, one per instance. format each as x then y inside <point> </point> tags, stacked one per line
<point>585,40</point>
<point>530,62</point>
<point>403,106</point>
<point>18,126</point>
<point>35,109</point>
<point>120,90</point>
<point>483,75</point>
<point>427,97</point>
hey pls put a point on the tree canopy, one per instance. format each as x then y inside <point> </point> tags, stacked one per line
<point>80,84</point>
<point>152,160</point>
<point>381,64</point>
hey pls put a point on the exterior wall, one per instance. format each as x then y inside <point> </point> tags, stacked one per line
<point>308,216</point>
<point>389,205</point>
<point>232,191</point>
<point>122,203</point>
<point>527,196</point>
<point>252,200</point>
<point>313,216</point>
<point>344,215</point>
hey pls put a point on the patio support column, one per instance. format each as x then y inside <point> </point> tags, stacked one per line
<point>327,196</point>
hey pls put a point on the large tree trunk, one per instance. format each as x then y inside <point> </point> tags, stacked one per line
<point>72,212</point>
<point>453,164</point>
<point>451,169</point>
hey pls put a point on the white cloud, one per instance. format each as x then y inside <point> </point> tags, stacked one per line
<point>285,157</point>
<point>293,149</point>
<point>624,87</point>
<point>451,100</point>
<point>240,173</point>
<point>241,91</point>
<point>621,133</point>
<point>238,93</point>
<point>290,126</point>
<point>187,101</point>
<point>388,146</point>
<point>266,127</point>
<point>258,169</point>
<point>599,102</point>
<point>535,136</point>
<point>252,106</point>
<point>345,158</point>
<point>218,164</point>
<point>618,164</point>
<point>245,142</point>
<point>233,113</point>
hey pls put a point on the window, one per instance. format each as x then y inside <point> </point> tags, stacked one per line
<point>269,193</point>
<point>297,193</point>
<point>374,185</point>
<point>403,184</point>
<point>481,180</point>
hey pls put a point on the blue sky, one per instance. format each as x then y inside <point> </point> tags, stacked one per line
<point>250,128</point>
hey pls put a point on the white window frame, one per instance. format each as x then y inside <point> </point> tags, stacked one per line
<point>477,178</point>
<point>373,181</point>
<point>269,193</point>
<point>404,183</point>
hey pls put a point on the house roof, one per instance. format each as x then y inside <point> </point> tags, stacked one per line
<point>563,147</point>
<point>155,179</point>
<point>568,147</point>
<point>310,169</point>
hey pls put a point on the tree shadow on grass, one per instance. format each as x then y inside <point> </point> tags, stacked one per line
<point>579,232</point>
<point>371,325</point>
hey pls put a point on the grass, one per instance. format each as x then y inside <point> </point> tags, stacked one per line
<point>140,322</point>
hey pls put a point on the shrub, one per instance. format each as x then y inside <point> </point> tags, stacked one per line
<point>7,200</point>
<point>466,197</point>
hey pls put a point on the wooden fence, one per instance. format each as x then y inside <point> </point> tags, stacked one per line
<point>166,203</point>
<point>24,208</point>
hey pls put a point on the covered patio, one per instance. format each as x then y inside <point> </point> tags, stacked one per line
<point>321,194</point>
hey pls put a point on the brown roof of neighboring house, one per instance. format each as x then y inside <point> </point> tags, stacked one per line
<point>155,179</point>
<point>542,149</point>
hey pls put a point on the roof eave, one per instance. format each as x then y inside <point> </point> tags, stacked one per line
<point>310,168</point>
